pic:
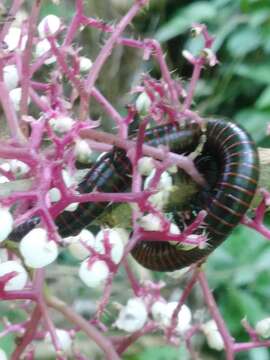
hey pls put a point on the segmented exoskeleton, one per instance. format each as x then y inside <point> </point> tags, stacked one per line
<point>226,200</point>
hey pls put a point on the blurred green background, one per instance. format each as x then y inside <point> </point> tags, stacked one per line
<point>239,89</point>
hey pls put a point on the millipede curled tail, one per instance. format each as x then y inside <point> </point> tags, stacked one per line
<point>226,200</point>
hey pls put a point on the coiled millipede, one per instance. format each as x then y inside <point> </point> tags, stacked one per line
<point>226,200</point>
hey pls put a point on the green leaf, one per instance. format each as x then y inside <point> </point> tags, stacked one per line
<point>243,42</point>
<point>264,99</point>
<point>254,121</point>
<point>184,18</point>
<point>160,353</point>
<point>259,73</point>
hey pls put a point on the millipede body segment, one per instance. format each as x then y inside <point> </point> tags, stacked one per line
<point>226,199</point>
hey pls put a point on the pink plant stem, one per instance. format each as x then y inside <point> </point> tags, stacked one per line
<point>238,347</point>
<point>164,71</point>
<point>182,161</point>
<point>75,23</point>
<point>187,290</point>
<point>24,154</point>
<point>27,55</point>
<point>106,52</point>
<point>132,279</point>
<point>28,335</point>
<point>193,82</point>
<point>210,302</point>
<point>12,12</point>
<point>84,325</point>
<point>129,340</point>
<point>10,113</point>
<point>258,226</point>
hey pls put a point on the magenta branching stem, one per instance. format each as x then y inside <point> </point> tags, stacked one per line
<point>214,311</point>
<point>56,100</point>
<point>106,51</point>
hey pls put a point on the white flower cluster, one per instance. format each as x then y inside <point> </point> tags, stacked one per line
<point>162,313</point>
<point>93,271</point>
<point>134,315</point>
<point>213,337</point>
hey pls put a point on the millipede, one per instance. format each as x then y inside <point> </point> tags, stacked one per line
<point>229,162</point>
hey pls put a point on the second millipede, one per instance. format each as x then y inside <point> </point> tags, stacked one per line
<point>226,199</point>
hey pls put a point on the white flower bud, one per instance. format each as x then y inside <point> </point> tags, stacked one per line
<point>77,247</point>
<point>215,341</point>
<point>116,242</point>
<point>54,194</point>
<point>262,328</point>
<point>11,76</point>
<point>187,55</point>
<point>72,207</point>
<point>213,337</point>
<point>3,179</point>
<point>160,199</point>
<point>85,64</point>
<point>12,39</point>
<point>3,255</point>
<point>61,124</point>
<point>94,275</point>
<point>6,223</point>
<point>146,165</point>
<point>15,97</point>
<point>133,316</point>
<point>64,339</point>
<point>209,56</point>
<point>5,166</point>
<point>82,151</point>
<point>143,104</point>
<point>37,250</point>
<point>42,47</point>
<point>49,25</point>
<point>18,282</point>
<point>18,168</point>
<point>150,222</point>
<point>3,355</point>
<point>162,313</point>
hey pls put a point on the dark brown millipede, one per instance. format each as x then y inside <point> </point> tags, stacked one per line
<point>226,200</point>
